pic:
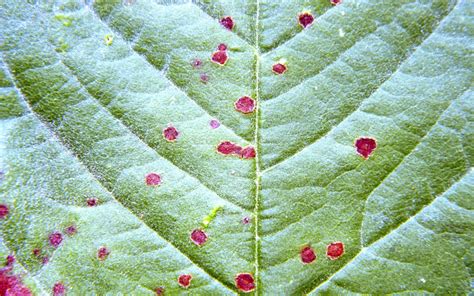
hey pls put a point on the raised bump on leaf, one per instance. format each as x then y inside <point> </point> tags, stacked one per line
<point>227,147</point>
<point>184,280</point>
<point>245,282</point>
<point>245,104</point>
<point>222,47</point>
<point>305,19</point>
<point>55,239</point>
<point>214,123</point>
<point>335,250</point>
<point>71,230</point>
<point>153,179</point>
<point>227,22</point>
<point>248,152</point>
<point>170,133</point>
<point>198,236</point>
<point>365,146</point>
<point>59,289</point>
<point>280,67</point>
<point>4,210</point>
<point>219,57</point>
<point>102,253</point>
<point>307,255</point>
<point>91,202</point>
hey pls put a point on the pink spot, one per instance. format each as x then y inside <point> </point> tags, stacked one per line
<point>365,146</point>
<point>198,237</point>
<point>336,2</point>
<point>307,255</point>
<point>227,22</point>
<point>248,152</point>
<point>245,282</point>
<point>102,253</point>
<point>184,280</point>
<point>170,133</point>
<point>45,260</point>
<point>214,123</point>
<point>153,179</point>
<point>36,252</point>
<point>219,57</point>
<point>196,63</point>
<point>222,47</point>
<point>335,250</point>
<point>160,291</point>
<point>10,260</point>
<point>227,148</point>
<point>279,68</point>
<point>55,239</point>
<point>245,105</point>
<point>91,202</point>
<point>71,230</point>
<point>59,289</point>
<point>204,77</point>
<point>3,211</point>
<point>305,19</point>
<point>246,220</point>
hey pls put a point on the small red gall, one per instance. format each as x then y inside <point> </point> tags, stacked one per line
<point>214,123</point>
<point>59,289</point>
<point>335,250</point>
<point>4,211</point>
<point>245,105</point>
<point>365,146</point>
<point>36,252</point>
<point>336,2</point>
<point>198,237</point>
<point>246,220</point>
<point>184,280</point>
<point>55,239</point>
<point>170,133</point>
<point>248,152</point>
<point>222,47</point>
<point>204,77</point>
<point>196,63</point>
<point>227,22</point>
<point>71,230</point>
<point>219,57</point>
<point>10,260</point>
<point>45,260</point>
<point>307,255</point>
<point>91,202</point>
<point>305,19</point>
<point>245,282</point>
<point>153,179</point>
<point>279,68</point>
<point>160,291</point>
<point>103,253</point>
<point>227,148</point>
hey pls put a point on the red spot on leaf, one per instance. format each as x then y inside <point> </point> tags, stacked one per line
<point>335,250</point>
<point>36,252</point>
<point>227,22</point>
<point>222,47</point>
<point>198,237</point>
<point>365,146</point>
<point>248,152</point>
<point>307,255</point>
<point>219,57</point>
<point>153,179</point>
<point>71,230</point>
<point>227,148</point>
<point>10,260</point>
<point>55,239</point>
<point>204,77</point>
<point>245,282</point>
<point>246,220</point>
<point>336,2</point>
<point>184,280</point>
<point>196,63</point>
<point>170,133</point>
<point>45,260</point>
<point>279,68</point>
<point>305,19</point>
<point>3,211</point>
<point>214,123</point>
<point>245,104</point>
<point>102,253</point>
<point>91,202</point>
<point>59,289</point>
<point>160,291</point>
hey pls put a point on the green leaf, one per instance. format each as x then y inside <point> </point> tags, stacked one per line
<point>86,91</point>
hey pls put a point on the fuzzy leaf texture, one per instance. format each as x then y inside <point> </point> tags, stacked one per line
<point>112,113</point>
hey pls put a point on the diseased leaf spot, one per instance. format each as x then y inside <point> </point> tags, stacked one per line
<point>204,77</point>
<point>214,123</point>
<point>335,250</point>
<point>91,202</point>
<point>59,289</point>
<point>196,63</point>
<point>279,68</point>
<point>245,220</point>
<point>4,210</point>
<point>55,239</point>
<point>160,291</point>
<point>248,152</point>
<point>365,146</point>
<point>45,260</point>
<point>227,148</point>
<point>305,19</point>
<point>170,133</point>
<point>245,282</point>
<point>36,252</point>
<point>199,237</point>
<point>307,255</point>
<point>245,105</point>
<point>227,22</point>
<point>336,2</point>
<point>153,179</point>
<point>108,39</point>
<point>103,253</point>
<point>219,57</point>
<point>184,280</point>
<point>71,230</point>
<point>10,260</point>
<point>222,47</point>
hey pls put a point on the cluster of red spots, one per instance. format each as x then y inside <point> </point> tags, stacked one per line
<point>227,22</point>
<point>11,284</point>
<point>184,280</point>
<point>279,68</point>
<point>91,202</point>
<point>336,2</point>
<point>71,230</point>
<point>55,239</point>
<point>220,56</point>
<point>214,123</point>
<point>365,146</point>
<point>103,253</point>
<point>59,289</point>
<point>229,148</point>
<point>198,236</point>
<point>335,250</point>
<point>160,291</point>
<point>153,179</point>
<point>305,19</point>
<point>307,255</point>
<point>4,211</point>
<point>245,282</point>
<point>245,105</point>
<point>170,133</point>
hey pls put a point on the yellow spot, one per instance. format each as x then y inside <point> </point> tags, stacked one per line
<point>208,219</point>
<point>108,39</point>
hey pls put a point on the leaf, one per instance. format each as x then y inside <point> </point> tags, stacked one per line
<point>87,90</point>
